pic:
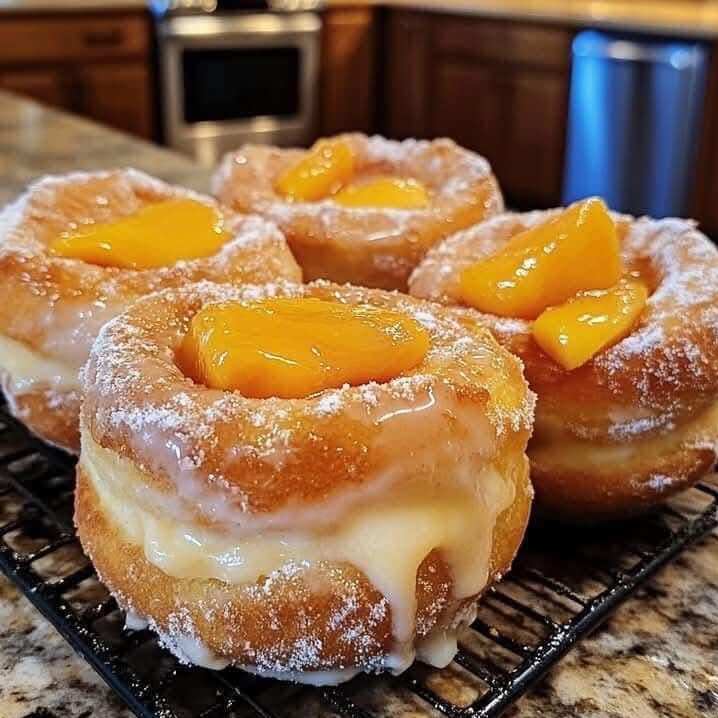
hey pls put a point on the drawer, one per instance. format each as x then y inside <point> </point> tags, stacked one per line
<point>29,39</point>
<point>537,45</point>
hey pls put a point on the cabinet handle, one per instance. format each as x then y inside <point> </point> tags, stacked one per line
<point>104,38</point>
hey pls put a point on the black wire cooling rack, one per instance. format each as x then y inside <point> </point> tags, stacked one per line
<point>557,593</point>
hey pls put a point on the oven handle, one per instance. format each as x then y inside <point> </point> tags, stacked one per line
<point>208,28</point>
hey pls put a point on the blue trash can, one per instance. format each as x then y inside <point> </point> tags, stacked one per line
<point>634,117</point>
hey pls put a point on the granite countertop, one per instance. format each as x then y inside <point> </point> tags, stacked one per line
<point>43,6</point>
<point>691,18</point>
<point>656,657</point>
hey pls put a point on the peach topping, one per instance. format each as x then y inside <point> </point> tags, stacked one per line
<point>157,235</point>
<point>295,347</point>
<point>566,274</point>
<point>593,320</point>
<point>547,264</point>
<point>321,173</point>
<point>387,192</point>
<point>327,171</point>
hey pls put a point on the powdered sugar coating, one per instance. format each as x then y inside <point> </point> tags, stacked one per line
<point>665,370</point>
<point>228,456</point>
<point>71,299</point>
<point>366,246</point>
<point>55,306</point>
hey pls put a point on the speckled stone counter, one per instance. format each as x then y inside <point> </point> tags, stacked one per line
<point>657,657</point>
<point>35,140</point>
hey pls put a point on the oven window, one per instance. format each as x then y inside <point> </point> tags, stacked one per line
<point>234,84</point>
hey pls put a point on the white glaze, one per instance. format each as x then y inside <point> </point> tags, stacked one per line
<point>414,429</point>
<point>386,537</point>
<point>27,369</point>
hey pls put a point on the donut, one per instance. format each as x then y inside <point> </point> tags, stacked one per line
<point>53,305</point>
<point>364,237</point>
<point>639,421</point>
<point>308,538</point>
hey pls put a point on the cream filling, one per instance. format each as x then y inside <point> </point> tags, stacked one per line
<point>26,369</point>
<point>387,537</point>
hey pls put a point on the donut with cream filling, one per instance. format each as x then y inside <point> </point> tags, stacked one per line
<point>382,205</point>
<point>638,421</point>
<point>58,289</point>
<point>313,537</point>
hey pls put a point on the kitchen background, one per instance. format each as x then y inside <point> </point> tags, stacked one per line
<point>566,98</point>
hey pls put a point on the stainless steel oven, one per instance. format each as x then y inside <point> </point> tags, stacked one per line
<point>234,77</point>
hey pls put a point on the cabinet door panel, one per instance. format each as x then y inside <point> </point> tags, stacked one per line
<point>515,118</point>
<point>407,90</point>
<point>504,41</point>
<point>119,96</point>
<point>466,107</point>
<point>35,39</point>
<point>44,85</point>
<point>348,81</point>
<point>535,120</point>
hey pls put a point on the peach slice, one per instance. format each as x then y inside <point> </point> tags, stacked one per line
<point>385,192</point>
<point>157,235</point>
<point>545,265</point>
<point>593,320</point>
<point>322,172</point>
<point>293,347</point>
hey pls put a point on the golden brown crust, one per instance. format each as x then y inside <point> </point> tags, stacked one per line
<point>55,306</point>
<point>580,494</point>
<point>268,625</point>
<point>51,414</point>
<point>658,379</point>
<point>294,451</point>
<point>224,462</point>
<point>368,247</point>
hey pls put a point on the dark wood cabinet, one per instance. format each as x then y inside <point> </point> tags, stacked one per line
<point>349,70</point>
<point>119,96</point>
<point>499,88</point>
<point>44,85</point>
<point>95,64</point>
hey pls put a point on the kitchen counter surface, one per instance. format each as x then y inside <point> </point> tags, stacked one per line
<point>656,657</point>
<point>54,6</point>
<point>691,18</point>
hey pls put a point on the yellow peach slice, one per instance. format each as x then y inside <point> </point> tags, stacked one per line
<point>322,172</point>
<point>547,264</point>
<point>295,347</point>
<point>576,331</point>
<point>385,192</point>
<point>157,235</point>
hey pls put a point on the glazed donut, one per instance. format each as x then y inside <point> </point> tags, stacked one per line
<point>51,307</point>
<point>367,246</point>
<point>343,532</point>
<point>639,421</point>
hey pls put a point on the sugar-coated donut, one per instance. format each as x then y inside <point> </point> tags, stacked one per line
<point>51,307</point>
<point>639,421</point>
<point>372,247</point>
<point>305,539</point>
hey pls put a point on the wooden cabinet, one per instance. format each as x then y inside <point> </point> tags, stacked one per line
<point>44,85</point>
<point>119,96</point>
<point>703,205</point>
<point>97,65</point>
<point>349,67</point>
<point>497,87</point>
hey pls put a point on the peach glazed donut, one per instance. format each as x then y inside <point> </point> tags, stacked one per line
<point>616,321</point>
<point>76,249</point>
<point>359,209</point>
<point>303,481</point>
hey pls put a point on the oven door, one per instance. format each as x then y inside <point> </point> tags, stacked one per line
<point>238,78</point>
